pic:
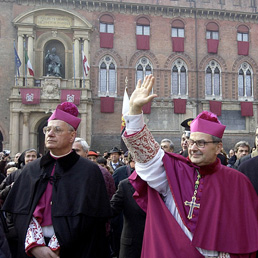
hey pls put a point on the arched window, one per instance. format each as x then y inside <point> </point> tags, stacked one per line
<point>242,33</point>
<point>143,34</point>
<point>178,29</point>
<point>142,26</point>
<point>213,79</point>
<point>243,40</point>
<point>106,29</point>
<point>107,77</point>
<point>179,78</point>
<point>212,31</point>
<point>245,81</point>
<point>178,35</point>
<point>143,68</point>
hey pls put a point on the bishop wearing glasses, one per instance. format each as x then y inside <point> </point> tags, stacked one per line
<point>59,202</point>
<point>195,206</point>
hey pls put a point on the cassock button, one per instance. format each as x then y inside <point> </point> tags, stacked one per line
<point>193,216</point>
<point>200,190</point>
<point>198,198</point>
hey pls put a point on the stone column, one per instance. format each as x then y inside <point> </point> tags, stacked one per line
<point>83,126</point>
<point>30,79</point>
<point>25,131</point>
<point>15,133</point>
<point>77,59</point>
<point>21,56</point>
<point>87,53</point>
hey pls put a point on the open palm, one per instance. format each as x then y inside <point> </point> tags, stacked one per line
<point>141,96</point>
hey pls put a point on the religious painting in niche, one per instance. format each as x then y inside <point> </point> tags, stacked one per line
<point>54,63</point>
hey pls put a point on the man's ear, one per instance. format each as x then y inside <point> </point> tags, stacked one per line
<point>219,147</point>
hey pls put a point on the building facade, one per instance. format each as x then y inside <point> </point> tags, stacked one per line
<point>202,53</point>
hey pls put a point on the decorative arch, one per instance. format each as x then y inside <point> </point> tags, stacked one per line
<point>208,58</point>
<point>178,23</point>
<point>186,58</point>
<point>148,54</point>
<point>143,20</point>
<point>107,18</point>
<point>242,59</point>
<point>102,52</point>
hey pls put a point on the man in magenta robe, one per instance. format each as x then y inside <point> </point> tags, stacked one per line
<point>195,206</point>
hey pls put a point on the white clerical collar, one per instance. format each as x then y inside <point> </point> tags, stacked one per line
<point>57,157</point>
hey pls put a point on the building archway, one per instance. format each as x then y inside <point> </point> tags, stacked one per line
<point>41,137</point>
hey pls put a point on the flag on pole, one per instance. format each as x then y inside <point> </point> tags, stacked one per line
<point>125,108</point>
<point>29,66</point>
<point>86,66</point>
<point>17,61</point>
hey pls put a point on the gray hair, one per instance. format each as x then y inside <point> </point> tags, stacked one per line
<point>83,143</point>
<point>171,144</point>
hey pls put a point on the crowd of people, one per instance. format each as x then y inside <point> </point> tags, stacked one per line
<point>151,201</point>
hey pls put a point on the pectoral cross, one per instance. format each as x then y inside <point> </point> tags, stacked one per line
<point>192,205</point>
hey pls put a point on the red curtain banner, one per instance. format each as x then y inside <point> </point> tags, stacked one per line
<point>107,104</point>
<point>215,107</point>
<point>106,40</point>
<point>247,108</point>
<point>30,96</point>
<point>143,42</point>
<point>212,45</point>
<point>243,48</point>
<point>178,44</point>
<point>179,106</point>
<point>147,108</point>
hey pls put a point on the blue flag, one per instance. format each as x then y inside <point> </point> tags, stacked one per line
<point>17,61</point>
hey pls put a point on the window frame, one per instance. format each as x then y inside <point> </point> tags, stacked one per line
<point>213,65</point>
<point>144,65</point>
<point>179,64</point>
<point>108,63</point>
<point>106,25</point>
<point>245,67</point>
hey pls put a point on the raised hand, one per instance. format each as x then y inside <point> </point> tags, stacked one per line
<point>141,96</point>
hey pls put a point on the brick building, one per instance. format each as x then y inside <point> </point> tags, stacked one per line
<point>203,54</point>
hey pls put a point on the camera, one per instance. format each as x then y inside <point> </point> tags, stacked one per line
<point>6,152</point>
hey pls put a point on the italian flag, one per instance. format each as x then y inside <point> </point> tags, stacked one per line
<point>27,61</point>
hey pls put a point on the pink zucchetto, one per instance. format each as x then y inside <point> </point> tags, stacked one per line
<point>68,113</point>
<point>207,122</point>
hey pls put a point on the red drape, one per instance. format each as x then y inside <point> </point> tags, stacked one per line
<point>178,44</point>
<point>30,96</point>
<point>107,104</point>
<point>243,48</point>
<point>71,96</point>
<point>106,40</point>
<point>179,106</point>
<point>143,42</point>
<point>247,108</point>
<point>215,107</point>
<point>212,45</point>
<point>147,108</point>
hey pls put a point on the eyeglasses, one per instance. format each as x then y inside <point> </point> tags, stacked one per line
<point>56,129</point>
<point>199,143</point>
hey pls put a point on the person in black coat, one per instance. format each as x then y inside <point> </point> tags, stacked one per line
<point>134,220</point>
<point>62,205</point>
<point>4,248</point>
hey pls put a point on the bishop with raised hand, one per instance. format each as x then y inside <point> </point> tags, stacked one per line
<point>195,206</point>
